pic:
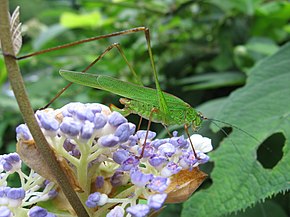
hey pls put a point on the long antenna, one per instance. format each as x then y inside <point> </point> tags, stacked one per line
<point>238,128</point>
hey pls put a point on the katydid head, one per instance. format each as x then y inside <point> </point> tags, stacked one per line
<point>193,118</point>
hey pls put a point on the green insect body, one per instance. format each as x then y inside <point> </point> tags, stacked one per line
<point>140,100</point>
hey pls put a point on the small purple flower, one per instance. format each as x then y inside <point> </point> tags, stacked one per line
<point>179,142</point>
<point>5,211</point>
<point>148,150</point>
<point>70,127</point>
<point>157,161</point>
<point>96,199</point>
<point>170,169</point>
<point>3,191</point>
<point>52,194</point>
<point>94,107</point>
<point>202,158</point>
<point>100,121</point>
<point>159,184</point>
<point>109,141</point>
<point>140,179</point>
<point>156,201</point>
<point>68,146</point>
<point>16,193</point>
<point>123,132</point>
<point>187,160</point>
<point>116,119</point>
<point>167,149</point>
<point>37,211</point>
<point>11,162</point>
<point>23,132</point>
<point>158,142</point>
<point>118,179</point>
<point>47,121</point>
<point>120,156</point>
<point>139,210</point>
<point>130,163</point>
<point>132,140</point>
<point>87,130</point>
<point>142,134</point>
<point>83,113</point>
<point>99,181</point>
<point>118,211</point>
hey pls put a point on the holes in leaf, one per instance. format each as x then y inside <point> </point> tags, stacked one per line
<point>270,152</point>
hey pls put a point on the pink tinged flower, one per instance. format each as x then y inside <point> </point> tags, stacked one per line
<point>5,212</point>
<point>118,211</point>
<point>167,149</point>
<point>148,151</point>
<point>96,199</point>
<point>201,143</point>
<point>157,161</point>
<point>109,141</point>
<point>130,163</point>
<point>140,179</point>
<point>99,121</point>
<point>139,210</point>
<point>202,158</point>
<point>187,160</point>
<point>22,132</point>
<point>156,201</point>
<point>37,211</point>
<point>170,169</point>
<point>116,119</point>
<point>179,142</point>
<point>70,127</point>
<point>159,184</point>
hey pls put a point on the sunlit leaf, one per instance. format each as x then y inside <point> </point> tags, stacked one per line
<point>262,109</point>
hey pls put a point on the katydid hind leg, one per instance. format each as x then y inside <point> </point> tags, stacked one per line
<point>154,110</point>
<point>71,44</point>
<point>187,133</point>
<point>162,102</point>
<point>108,49</point>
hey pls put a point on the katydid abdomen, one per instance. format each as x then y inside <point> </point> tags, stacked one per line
<point>140,100</point>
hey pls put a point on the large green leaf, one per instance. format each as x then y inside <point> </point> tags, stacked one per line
<point>262,108</point>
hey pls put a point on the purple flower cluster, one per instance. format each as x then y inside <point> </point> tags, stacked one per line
<point>11,197</point>
<point>10,162</point>
<point>34,187</point>
<point>103,148</point>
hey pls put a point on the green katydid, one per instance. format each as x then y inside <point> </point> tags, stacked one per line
<point>152,104</point>
<point>162,107</point>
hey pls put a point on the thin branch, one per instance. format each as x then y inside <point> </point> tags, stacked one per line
<point>19,90</point>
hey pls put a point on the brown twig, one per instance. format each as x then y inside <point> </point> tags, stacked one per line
<point>19,90</point>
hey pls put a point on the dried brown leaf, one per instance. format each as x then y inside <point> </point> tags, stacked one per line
<point>183,184</point>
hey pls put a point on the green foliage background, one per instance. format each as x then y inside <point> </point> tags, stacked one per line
<point>228,58</point>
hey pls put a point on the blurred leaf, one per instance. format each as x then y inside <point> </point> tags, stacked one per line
<point>48,34</point>
<point>262,109</point>
<point>211,80</point>
<point>93,19</point>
